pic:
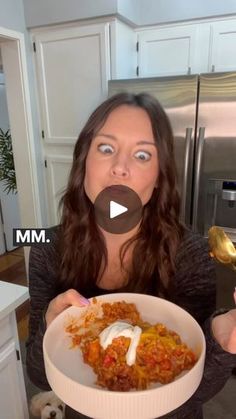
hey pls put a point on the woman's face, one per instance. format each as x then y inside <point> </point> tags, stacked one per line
<point>123,152</point>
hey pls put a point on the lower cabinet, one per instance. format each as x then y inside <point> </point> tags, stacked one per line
<point>13,403</point>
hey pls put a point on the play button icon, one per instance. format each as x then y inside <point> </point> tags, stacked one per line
<point>118,209</point>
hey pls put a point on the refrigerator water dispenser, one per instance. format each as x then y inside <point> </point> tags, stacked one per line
<point>220,207</point>
<point>229,192</point>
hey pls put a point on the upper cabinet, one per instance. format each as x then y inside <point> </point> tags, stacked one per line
<point>222,55</point>
<point>187,48</point>
<point>73,65</point>
<point>123,50</point>
<point>167,51</point>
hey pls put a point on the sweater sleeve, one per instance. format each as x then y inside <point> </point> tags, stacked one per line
<point>196,285</point>
<point>42,278</point>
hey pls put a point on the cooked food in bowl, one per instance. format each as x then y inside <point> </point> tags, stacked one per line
<point>124,351</point>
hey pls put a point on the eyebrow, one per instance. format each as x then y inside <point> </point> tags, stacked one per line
<point>112,137</point>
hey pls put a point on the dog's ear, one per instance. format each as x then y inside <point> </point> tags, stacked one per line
<point>61,406</point>
<point>36,404</point>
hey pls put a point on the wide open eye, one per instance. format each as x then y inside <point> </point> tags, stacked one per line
<point>60,407</point>
<point>105,148</point>
<point>143,155</point>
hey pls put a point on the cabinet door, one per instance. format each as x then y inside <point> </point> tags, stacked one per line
<point>123,50</point>
<point>167,51</point>
<point>73,68</point>
<point>223,48</point>
<point>11,403</point>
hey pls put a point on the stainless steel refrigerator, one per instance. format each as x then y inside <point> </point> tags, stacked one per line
<point>202,112</point>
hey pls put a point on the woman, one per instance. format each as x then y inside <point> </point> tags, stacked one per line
<point>128,141</point>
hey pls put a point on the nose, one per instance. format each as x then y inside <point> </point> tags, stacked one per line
<point>120,167</point>
<point>53,414</point>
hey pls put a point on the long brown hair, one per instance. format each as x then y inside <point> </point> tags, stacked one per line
<point>83,248</point>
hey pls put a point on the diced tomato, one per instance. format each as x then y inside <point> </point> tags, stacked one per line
<point>178,351</point>
<point>108,360</point>
<point>165,365</point>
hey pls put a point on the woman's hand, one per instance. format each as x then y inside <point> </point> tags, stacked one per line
<point>62,301</point>
<point>224,329</point>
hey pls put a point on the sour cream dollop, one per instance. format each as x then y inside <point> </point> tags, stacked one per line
<point>118,329</point>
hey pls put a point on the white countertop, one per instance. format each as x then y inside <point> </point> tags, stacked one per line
<point>11,297</point>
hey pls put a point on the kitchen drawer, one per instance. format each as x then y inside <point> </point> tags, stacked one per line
<point>6,331</point>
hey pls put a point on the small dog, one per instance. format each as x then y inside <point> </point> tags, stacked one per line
<point>47,405</point>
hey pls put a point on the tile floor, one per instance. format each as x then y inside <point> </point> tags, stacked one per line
<point>222,406</point>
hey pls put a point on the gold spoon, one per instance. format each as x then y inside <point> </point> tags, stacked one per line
<point>221,247</point>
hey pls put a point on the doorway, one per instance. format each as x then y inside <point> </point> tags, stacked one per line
<point>9,205</point>
<point>14,62</point>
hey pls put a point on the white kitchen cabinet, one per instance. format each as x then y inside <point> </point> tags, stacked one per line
<point>222,56</point>
<point>72,68</point>
<point>187,48</point>
<point>13,402</point>
<point>167,51</point>
<point>73,65</point>
<point>123,41</point>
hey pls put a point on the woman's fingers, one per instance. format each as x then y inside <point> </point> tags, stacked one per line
<point>62,301</point>
<point>70,298</point>
<point>232,342</point>
<point>224,330</point>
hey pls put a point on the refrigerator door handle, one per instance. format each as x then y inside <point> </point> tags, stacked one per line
<point>199,153</point>
<point>188,138</point>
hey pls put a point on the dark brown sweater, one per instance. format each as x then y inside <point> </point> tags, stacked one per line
<point>195,291</point>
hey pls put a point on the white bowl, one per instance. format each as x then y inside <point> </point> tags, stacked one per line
<point>73,381</point>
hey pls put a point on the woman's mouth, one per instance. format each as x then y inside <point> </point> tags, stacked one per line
<point>118,190</point>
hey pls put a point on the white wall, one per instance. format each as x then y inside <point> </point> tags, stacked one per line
<point>45,12</point>
<point>163,11</point>
<point>12,17</point>
<point>138,12</point>
<point>129,10</point>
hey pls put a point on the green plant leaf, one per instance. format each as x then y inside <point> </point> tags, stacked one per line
<point>7,167</point>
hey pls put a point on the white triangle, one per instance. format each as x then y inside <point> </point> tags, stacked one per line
<point>116,209</point>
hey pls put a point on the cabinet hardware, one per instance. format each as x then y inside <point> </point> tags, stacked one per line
<point>137,46</point>
<point>137,70</point>
<point>17,355</point>
<point>34,46</point>
<point>213,68</point>
<point>42,134</point>
<point>45,163</point>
